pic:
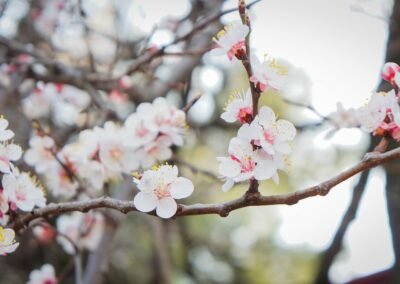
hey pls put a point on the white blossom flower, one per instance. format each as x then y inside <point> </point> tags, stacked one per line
<point>245,163</point>
<point>59,182</point>
<point>38,103</point>
<point>268,74</point>
<point>382,113</point>
<point>158,189</point>
<point>7,242</point>
<point>9,153</point>
<point>5,134</point>
<point>84,230</point>
<point>344,118</point>
<point>158,150</point>
<point>39,154</point>
<point>138,128</point>
<point>45,275</point>
<point>240,108</point>
<point>115,152</point>
<point>273,136</point>
<point>23,191</point>
<point>231,41</point>
<point>169,120</point>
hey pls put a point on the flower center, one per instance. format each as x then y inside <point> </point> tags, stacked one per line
<point>247,164</point>
<point>162,190</point>
<point>269,137</point>
<point>245,114</point>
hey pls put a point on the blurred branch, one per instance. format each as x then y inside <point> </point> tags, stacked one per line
<point>370,160</point>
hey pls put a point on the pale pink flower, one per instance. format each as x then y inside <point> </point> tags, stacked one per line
<point>231,41</point>
<point>23,191</point>
<point>245,163</point>
<point>39,155</point>
<point>239,108</point>
<point>169,120</point>
<point>84,230</point>
<point>344,118</point>
<point>158,150</point>
<point>273,136</point>
<point>38,103</point>
<point>381,115</point>
<point>7,242</point>
<point>3,207</point>
<point>138,128</point>
<point>115,152</point>
<point>268,74</point>
<point>44,233</point>
<point>9,153</point>
<point>59,182</point>
<point>45,275</point>
<point>158,190</point>
<point>5,134</point>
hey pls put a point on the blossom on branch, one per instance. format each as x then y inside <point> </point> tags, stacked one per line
<point>40,155</point>
<point>7,242</point>
<point>23,191</point>
<point>239,108</point>
<point>268,74</point>
<point>158,190</point>
<point>344,118</point>
<point>381,115</point>
<point>231,41</point>
<point>45,275</point>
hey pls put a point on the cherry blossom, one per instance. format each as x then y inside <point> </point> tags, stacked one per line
<point>60,183</point>
<point>245,163</point>
<point>273,136</point>
<point>344,118</point>
<point>45,275</point>
<point>40,153</point>
<point>158,188</point>
<point>231,41</point>
<point>7,242</point>
<point>381,115</point>
<point>5,134</point>
<point>44,233</point>
<point>23,191</point>
<point>9,153</point>
<point>84,230</point>
<point>389,71</point>
<point>268,74</point>
<point>239,108</point>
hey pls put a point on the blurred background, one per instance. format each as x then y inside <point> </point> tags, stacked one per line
<point>334,51</point>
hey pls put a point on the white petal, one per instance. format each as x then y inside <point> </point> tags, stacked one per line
<point>14,152</point>
<point>145,202</point>
<point>228,117</point>
<point>166,207</point>
<point>6,135</point>
<point>181,188</point>
<point>266,116</point>
<point>229,168</point>
<point>286,130</point>
<point>264,170</point>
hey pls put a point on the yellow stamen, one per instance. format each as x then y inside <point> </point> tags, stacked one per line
<point>2,236</point>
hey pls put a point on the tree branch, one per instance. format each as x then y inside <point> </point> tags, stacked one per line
<point>370,160</point>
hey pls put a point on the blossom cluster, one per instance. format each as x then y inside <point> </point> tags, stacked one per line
<point>19,190</point>
<point>381,115</point>
<point>262,144</point>
<point>45,275</point>
<point>63,102</point>
<point>105,153</point>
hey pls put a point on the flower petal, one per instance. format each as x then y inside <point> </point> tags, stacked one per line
<point>145,202</point>
<point>181,188</point>
<point>166,207</point>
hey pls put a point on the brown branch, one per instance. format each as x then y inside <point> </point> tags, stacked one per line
<point>370,160</point>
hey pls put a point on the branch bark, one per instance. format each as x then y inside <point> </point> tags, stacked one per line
<point>369,161</point>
